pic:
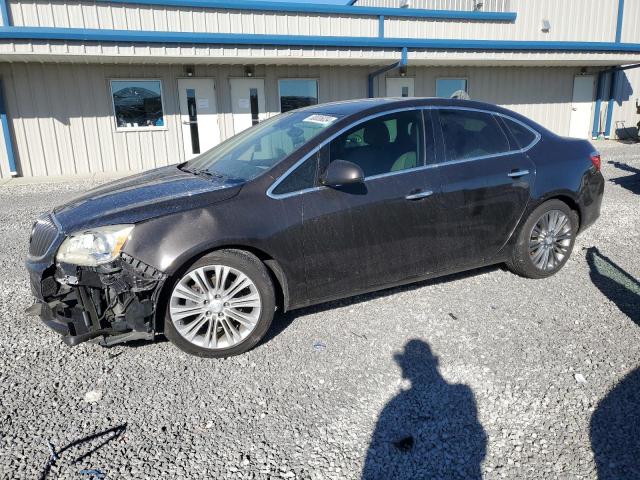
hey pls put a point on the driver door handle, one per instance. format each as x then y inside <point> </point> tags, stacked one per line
<point>419,195</point>
<point>518,173</point>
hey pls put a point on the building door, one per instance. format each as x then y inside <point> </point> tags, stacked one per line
<point>247,102</point>
<point>199,115</point>
<point>400,87</point>
<point>580,126</point>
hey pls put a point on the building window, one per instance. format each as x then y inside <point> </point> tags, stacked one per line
<point>137,104</point>
<point>297,93</point>
<point>451,87</point>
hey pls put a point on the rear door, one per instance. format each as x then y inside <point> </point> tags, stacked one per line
<point>486,180</point>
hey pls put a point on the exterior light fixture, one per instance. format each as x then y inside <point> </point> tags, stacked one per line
<point>248,71</point>
<point>189,70</point>
<point>546,26</point>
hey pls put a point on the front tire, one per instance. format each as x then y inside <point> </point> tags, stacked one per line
<point>545,241</point>
<point>221,306</point>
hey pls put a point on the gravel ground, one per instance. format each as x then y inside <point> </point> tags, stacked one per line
<point>483,374</point>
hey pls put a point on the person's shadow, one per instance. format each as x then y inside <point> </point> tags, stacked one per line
<point>430,430</point>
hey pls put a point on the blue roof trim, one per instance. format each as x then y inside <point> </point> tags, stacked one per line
<point>325,9</point>
<point>620,20</point>
<point>133,36</point>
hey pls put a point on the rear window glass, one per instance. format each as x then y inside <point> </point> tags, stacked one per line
<point>470,134</point>
<point>522,134</point>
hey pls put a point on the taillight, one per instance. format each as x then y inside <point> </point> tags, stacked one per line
<point>595,159</point>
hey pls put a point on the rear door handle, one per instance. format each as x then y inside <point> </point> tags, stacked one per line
<point>419,195</point>
<point>518,173</point>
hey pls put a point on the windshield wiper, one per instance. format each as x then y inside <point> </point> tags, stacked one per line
<point>203,172</point>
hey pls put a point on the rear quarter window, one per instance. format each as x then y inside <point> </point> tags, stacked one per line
<point>523,135</point>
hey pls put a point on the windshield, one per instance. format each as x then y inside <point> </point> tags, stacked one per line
<point>253,151</point>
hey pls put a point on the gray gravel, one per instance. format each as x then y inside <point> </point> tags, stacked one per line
<point>481,374</point>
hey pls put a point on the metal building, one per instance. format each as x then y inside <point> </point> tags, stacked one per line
<point>116,85</point>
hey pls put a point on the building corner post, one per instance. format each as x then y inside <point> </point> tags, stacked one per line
<point>6,15</point>
<point>615,78</point>
<point>6,132</point>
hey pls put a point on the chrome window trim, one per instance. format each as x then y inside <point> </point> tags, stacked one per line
<point>282,177</point>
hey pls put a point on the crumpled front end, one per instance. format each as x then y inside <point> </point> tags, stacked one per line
<point>109,304</point>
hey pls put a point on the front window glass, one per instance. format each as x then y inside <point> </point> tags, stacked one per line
<point>253,151</point>
<point>297,93</point>
<point>470,134</point>
<point>450,87</point>
<point>384,144</point>
<point>137,104</point>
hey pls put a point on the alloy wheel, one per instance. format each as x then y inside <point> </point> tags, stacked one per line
<point>215,306</point>
<point>550,240</point>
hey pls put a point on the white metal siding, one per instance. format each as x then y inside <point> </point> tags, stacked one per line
<point>160,18</point>
<point>570,20</point>
<point>630,22</point>
<point>464,5</point>
<point>63,123</point>
<point>579,20</point>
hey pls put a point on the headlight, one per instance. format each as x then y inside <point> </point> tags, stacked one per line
<point>94,247</point>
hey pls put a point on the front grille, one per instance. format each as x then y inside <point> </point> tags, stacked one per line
<point>43,235</point>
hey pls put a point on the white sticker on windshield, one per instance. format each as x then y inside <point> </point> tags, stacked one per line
<point>323,120</point>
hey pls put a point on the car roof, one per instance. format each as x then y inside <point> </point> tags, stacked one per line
<point>350,107</point>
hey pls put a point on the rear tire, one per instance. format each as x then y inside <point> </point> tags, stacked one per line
<point>221,306</point>
<point>545,241</point>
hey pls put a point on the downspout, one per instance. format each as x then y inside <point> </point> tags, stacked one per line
<point>616,73</point>
<point>615,77</point>
<point>373,75</point>
<point>6,132</point>
<point>596,114</point>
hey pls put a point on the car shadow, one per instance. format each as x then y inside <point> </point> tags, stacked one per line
<point>429,430</point>
<point>615,424</point>
<point>630,182</point>
<point>281,322</point>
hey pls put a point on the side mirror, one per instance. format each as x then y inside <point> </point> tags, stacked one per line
<point>341,172</point>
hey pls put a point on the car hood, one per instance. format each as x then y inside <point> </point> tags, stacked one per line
<point>141,197</point>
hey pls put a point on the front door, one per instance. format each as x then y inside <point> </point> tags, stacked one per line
<point>247,102</point>
<point>198,115</point>
<point>369,234</point>
<point>485,187</point>
<point>581,106</point>
<point>400,87</point>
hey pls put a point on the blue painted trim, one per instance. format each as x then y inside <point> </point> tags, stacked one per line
<point>381,26</point>
<point>612,102</point>
<point>402,63</point>
<point>133,36</point>
<point>598,106</point>
<point>620,20</point>
<point>6,16</point>
<point>6,132</point>
<point>267,6</point>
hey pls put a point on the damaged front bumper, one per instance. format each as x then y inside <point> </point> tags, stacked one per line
<point>107,304</point>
